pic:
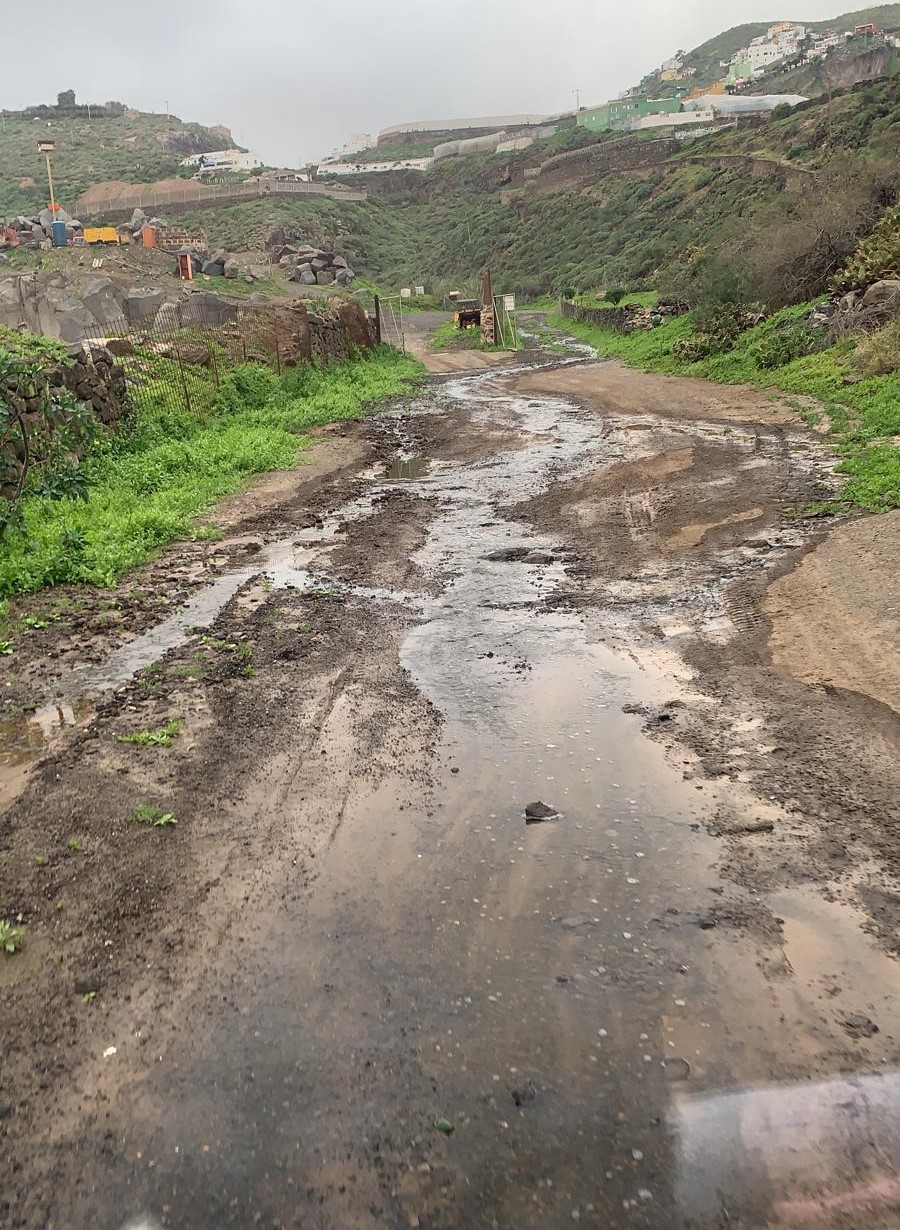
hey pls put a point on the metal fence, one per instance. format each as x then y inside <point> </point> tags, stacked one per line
<point>181,353</point>
<point>194,195</point>
<point>389,321</point>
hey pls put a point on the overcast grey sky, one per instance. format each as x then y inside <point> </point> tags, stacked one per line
<point>293,78</point>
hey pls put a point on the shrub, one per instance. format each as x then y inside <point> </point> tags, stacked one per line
<point>879,353</point>
<point>790,341</point>
<point>616,295</point>
<point>878,256</point>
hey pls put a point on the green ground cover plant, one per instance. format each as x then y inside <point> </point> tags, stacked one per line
<point>145,485</point>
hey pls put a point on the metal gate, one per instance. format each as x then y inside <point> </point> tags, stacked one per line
<point>389,317</point>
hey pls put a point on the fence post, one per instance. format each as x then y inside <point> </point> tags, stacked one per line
<point>378,320</point>
<point>184,383</point>
<point>277,355</point>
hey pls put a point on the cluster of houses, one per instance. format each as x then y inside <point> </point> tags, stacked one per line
<point>787,44</point>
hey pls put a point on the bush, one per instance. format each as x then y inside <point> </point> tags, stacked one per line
<point>616,295</point>
<point>877,257</point>
<point>792,340</point>
<point>879,353</point>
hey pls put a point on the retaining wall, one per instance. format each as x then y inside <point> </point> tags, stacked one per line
<point>94,377</point>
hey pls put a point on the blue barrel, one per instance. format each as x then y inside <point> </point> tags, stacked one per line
<point>58,231</point>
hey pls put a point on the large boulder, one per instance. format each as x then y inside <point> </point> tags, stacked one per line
<point>103,298</point>
<point>356,324</point>
<point>214,269</point>
<point>318,262</point>
<point>344,277</point>
<point>325,277</point>
<point>259,272</point>
<point>339,263</point>
<point>71,320</point>
<point>305,276</point>
<point>884,296</point>
<point>207,307</point>
<point>141,303</point>
<point>231,267</point>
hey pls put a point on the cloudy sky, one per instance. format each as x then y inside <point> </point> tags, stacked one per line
<point>293,78</point>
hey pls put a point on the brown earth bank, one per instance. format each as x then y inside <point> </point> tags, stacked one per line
<point>344,983</point>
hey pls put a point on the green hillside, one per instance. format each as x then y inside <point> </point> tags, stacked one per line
<point>132,147</point>
<point>627,229</point>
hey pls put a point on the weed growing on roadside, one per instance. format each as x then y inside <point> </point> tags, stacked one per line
<point>245,653</point>
<point>76,845</point>
<point>11,938</point>
<point>154,738</point>
<point>146,813</point>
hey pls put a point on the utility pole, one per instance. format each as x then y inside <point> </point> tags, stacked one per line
<point>46,148</point>
<point>577,99</point>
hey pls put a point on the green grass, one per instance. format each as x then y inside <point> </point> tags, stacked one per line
<point>448,337</point>
<point>864,416</point>
<point>634,298</point>
<point>154,738</point>
<point>146,813</point>
<point>148,482</point>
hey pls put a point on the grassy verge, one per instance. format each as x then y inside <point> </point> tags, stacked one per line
<point>147,483</point>
<point>449,337</point>
<point>863,416</point>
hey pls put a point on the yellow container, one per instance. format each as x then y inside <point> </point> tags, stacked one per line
<point>101,234</point>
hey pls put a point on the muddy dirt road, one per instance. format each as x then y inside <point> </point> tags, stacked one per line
<point>349,984</point>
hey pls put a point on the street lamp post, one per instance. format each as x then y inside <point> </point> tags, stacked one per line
<point>46,148</point>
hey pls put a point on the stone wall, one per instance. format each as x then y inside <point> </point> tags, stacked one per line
<point>577,167</point>
<point>93,377</point>
<point>335,337</point>
<point>628,319</point>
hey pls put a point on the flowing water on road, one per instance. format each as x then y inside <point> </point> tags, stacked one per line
<point>466,1020</point>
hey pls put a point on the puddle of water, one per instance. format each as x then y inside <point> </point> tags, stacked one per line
<point>406,469</point>
<point>826,946</point>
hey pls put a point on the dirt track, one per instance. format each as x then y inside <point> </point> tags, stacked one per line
<point>351,987</point>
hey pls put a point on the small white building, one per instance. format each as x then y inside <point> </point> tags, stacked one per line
<point>222,161</point>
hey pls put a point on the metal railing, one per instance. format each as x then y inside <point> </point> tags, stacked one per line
<point>180,354</point>
<point>194,195</point>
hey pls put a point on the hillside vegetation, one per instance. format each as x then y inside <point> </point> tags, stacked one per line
<point>131,147</point>
<point>630,229</point>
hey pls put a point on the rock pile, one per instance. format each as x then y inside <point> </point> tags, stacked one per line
<point>859,310</point>
<point>637,318</point>
<point>33,232</point>
<point>314,266</point>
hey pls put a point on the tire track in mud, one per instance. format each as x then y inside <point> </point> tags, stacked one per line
<point>386,947</point>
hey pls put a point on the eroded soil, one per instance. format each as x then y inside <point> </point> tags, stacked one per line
<point>349,986</point>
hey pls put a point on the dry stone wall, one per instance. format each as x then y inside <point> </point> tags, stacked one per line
<point>93,377</point>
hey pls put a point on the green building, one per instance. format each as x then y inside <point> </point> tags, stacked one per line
<point>617,114</point>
